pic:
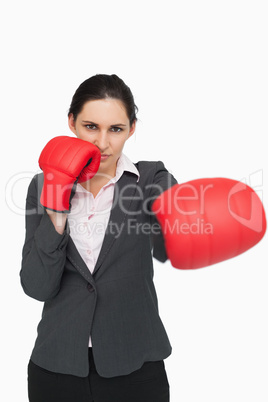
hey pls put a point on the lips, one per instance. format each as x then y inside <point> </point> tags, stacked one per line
<point>104,157</point>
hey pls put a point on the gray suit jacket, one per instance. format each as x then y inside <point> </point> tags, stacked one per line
<point>117,304</point>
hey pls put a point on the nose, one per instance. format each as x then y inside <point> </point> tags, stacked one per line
<point>101,141</point>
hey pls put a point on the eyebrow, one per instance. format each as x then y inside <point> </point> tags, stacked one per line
<point>95,124</point>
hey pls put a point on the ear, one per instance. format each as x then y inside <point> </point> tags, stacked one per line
<point>132,129</point>
<point>71,123</point>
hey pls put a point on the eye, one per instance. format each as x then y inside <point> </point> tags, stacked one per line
<point>91,126</point>
<point>116,129</point>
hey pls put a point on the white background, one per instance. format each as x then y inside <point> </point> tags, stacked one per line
<point>198,72</point>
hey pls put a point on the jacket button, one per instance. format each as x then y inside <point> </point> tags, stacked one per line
<point>90,287</point>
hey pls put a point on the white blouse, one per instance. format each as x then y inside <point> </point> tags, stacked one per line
<point>89,216</point>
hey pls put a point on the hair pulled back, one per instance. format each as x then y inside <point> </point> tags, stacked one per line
<point>103,86</point>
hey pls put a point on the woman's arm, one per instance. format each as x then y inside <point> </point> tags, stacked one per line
<point>64,161</point>
<point>162,181</point>
<point>44,250</point>
<point>58,220</point>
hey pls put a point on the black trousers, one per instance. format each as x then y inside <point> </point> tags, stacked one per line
<point>148,384</point>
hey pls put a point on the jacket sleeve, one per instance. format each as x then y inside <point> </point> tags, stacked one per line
<point>161,182</point>
<point>44,250</point>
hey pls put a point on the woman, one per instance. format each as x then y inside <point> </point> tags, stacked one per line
<point>90,233</point>
<point>93,219</point>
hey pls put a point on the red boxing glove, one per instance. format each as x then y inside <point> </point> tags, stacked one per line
<point>66,161</point>
<point>206,221</point>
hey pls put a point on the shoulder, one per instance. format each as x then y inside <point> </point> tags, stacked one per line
<point>37,178</point>
<point>36,185</point>
<point>150,167</point>
<point>155,172</point>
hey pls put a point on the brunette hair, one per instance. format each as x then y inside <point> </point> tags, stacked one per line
<point>101,86</point>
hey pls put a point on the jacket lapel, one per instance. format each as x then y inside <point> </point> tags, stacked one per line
<point>77,261</point>
<point>123,194</point>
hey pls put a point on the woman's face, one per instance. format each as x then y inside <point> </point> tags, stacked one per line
<point>105,124</point>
